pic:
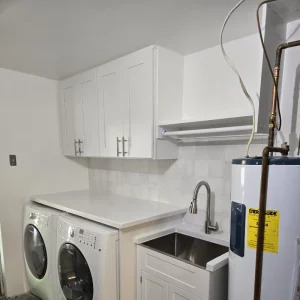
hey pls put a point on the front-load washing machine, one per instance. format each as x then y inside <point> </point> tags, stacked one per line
<point>39,234</point>
<point>87,255</point>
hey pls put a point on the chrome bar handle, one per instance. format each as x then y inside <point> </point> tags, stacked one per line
<point>75,147</point>
<point>80,149</point>
<point>123,144</point>
<point>118,149</point>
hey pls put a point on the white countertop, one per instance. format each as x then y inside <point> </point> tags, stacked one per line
<point>115,211</point>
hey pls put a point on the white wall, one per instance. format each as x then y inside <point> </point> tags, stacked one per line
<point>211,90</point>
<point>290,97</point>
<point>29,128</point>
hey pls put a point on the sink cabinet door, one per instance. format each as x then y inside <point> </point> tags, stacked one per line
<point>153,288</point>
<point>176,293</point>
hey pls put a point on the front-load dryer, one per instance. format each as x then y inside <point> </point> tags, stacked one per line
<point>87,260</point>
<point>39,237</point>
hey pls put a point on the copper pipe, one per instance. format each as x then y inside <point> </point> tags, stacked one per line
<point>275,100</point>
<point>284,150</point>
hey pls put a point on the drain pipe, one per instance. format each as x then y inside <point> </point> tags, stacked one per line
<point>284,150</point>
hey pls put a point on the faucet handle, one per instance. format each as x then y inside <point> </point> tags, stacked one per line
<point>193,207</point>
<point>217,226</point>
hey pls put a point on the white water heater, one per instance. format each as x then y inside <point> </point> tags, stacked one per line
<point>281,260</point>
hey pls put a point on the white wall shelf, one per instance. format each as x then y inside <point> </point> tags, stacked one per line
<point>205,124</point>
<point>228,129</point>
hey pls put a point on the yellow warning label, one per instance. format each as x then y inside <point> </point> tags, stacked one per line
<point>272,223</point>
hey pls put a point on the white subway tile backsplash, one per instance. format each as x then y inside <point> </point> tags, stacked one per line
<point>226,222</point>
<point>187,151</point>
<point>158,166</point>
<point>134,178</point>
<point>130,165</point>
<point>216,168</point>
<point>187,167</point>
<point>201,153</point>
<point>174,181</point>
<point>201,168</point>
<point>154,193</point>
<point>143,166</point>
<point>112,176</point>
<point>115,164</point>
<point>216,152</point>
<point>155,179</point>
<point>127,190</point>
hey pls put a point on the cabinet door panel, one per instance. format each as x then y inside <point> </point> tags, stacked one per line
<point>176,293</point>
<point>79,132</point>
<point>138,103</point>
<point>154,288</point>
<point>88,95</point>
<point>68,118</point>
<point>110,108</point>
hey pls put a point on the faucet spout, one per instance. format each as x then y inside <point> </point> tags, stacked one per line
<point>193,208</point>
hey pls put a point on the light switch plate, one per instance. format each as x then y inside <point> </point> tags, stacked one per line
<point>13,160</point>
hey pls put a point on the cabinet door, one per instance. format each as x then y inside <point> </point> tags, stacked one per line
<point>138,103</point>
<point>68,116</point>
<point>110,109</point>
<point>176,293</point>
<point>88,127</point>
<point>153,288</point>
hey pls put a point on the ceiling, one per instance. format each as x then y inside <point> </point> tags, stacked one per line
<point>58,38</point>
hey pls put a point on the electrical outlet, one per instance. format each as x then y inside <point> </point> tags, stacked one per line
<point>13,160</point>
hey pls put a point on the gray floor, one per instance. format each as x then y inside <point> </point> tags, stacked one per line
<point>21,297</point>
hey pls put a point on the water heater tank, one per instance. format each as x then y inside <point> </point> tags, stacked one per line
<point>281,261</point>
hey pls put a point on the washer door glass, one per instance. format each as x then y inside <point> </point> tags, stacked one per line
<point>35,252</point>
<point>74,274</point>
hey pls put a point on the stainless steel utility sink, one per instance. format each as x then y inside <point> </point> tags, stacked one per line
<point>191,250</point>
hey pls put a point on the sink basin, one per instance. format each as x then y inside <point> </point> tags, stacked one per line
<point>191,250</point>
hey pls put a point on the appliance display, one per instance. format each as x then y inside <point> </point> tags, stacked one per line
<point>87,255</point>
<point>281,266</point>
<point>39,237</point>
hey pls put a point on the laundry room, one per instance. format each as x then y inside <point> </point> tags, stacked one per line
<point>150,150</point>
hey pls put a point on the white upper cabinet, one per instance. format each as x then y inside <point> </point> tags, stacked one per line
<point>110,109</point>
<point>134,93</point>
<point>68,118</point>
<point>138,103</point>
<point>79,112</point>
<point>125,97</point>
<point>113,110</point>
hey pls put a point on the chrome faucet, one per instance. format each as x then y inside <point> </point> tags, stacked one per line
<point>193,208</point>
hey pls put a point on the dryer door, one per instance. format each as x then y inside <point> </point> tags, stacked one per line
<point>74,274</point>
<point>35,252</point>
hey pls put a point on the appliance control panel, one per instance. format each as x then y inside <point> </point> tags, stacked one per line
<point>81,236</point>
<point>89,239</point>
